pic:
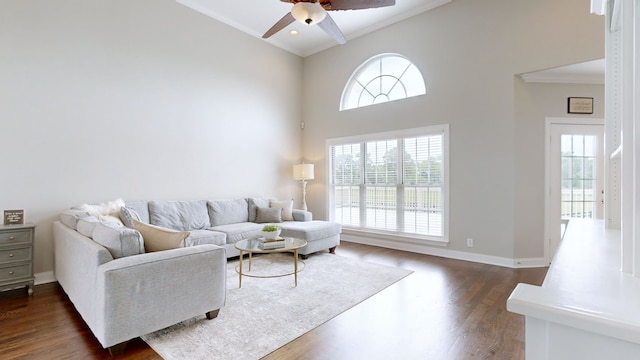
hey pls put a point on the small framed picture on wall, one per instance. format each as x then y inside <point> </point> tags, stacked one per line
<point>580,105</point>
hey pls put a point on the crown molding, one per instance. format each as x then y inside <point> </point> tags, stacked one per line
<point>563,78</point>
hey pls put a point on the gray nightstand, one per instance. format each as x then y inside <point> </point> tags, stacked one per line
<point>16,256</point>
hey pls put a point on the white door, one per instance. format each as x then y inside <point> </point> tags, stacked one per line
<point>575,169</point>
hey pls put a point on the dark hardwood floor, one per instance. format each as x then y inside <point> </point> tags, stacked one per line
<point>446,309</point>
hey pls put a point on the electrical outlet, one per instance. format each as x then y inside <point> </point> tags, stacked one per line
<point>469,242</point>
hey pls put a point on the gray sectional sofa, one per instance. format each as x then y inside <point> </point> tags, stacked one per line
<point>123,291</point>
<point>224,222</point>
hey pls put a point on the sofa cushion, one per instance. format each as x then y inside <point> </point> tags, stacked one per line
<point>141,207</point>
<point>179,215</point>
<point>223,212</point>
<point>286,206</point>
<point>157,238</point>
<point>127,215</point>
<point>268,215</point>
<point>88,224</point>
<point>110,219</point>
<point>70,217</point>
<point>255,203</point>
<point>310,230</point>
<point>203,237</point>
<point>119,240</point>
<point>239,231</point>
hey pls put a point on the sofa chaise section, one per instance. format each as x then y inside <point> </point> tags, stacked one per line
<point>320,235</point>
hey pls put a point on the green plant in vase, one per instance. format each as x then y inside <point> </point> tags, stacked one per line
<point>271,232</point>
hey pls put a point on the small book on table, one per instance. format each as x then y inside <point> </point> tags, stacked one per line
<point>272,244</point>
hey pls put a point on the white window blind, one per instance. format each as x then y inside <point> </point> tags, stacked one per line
<point>398,186</point>
<point>423,181</point>
<point>346,173</point>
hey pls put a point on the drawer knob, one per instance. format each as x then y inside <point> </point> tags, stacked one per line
<point>11,237</point>
<point>10,255</point>
<point>10,272</point>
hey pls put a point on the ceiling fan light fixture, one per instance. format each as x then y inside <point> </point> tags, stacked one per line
<point>308,13</point>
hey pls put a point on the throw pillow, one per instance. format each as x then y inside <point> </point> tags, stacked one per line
<point>157,238</point>
<point>268,215</point>
<point>286,206</point>
<point>105,208</point>
<point>255,203</point>
<point>128,215</point>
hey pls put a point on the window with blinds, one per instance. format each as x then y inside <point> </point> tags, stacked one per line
<point>392,182</point>
<point>346,174</point>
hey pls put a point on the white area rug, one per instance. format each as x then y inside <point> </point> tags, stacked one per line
<point>267,313</point>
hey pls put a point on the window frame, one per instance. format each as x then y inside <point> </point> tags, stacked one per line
<point>354,81</point>
<point>398,135</point>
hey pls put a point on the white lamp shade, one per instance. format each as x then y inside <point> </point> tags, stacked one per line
<point>308,13</point>
<point>303,171</point>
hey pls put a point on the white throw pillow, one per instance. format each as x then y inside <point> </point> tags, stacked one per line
<point>111,208</point>
<point>286,206</point>
<point>127,215</point>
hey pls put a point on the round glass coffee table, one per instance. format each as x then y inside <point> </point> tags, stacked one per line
<point>252,246</point>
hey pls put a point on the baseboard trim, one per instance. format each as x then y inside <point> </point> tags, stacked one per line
<point>523,263</point>
<point>447,253</point>
<point>45,277</point>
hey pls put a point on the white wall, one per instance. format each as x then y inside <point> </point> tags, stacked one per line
<point>142,99</point>
<point>468,52</point>
<point>534,103</point>
<point>148,99</point>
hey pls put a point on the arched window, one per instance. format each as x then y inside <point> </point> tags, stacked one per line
<point>384,77</point>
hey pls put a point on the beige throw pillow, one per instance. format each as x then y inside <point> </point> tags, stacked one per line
<point>157,238</point>
<point>286,206</point>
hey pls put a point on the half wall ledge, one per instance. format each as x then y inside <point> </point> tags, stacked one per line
<point>586,308</point>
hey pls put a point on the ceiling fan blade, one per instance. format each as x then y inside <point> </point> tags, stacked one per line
<point>358,4</point>
<point>281,24</point>
<point>329,26</point>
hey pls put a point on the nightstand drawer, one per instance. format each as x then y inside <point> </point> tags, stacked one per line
<point>15,237</point>
<point>12,255</point>
<point>15,272</point>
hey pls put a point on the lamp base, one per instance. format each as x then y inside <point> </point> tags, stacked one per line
<point>304,195</point>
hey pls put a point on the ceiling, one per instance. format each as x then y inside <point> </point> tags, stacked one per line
<point>255,17</point>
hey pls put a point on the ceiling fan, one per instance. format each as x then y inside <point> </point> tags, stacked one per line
<point>313,12</point>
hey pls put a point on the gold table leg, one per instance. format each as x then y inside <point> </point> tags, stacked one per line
<point>295,266</point>
<point>240,271</point>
